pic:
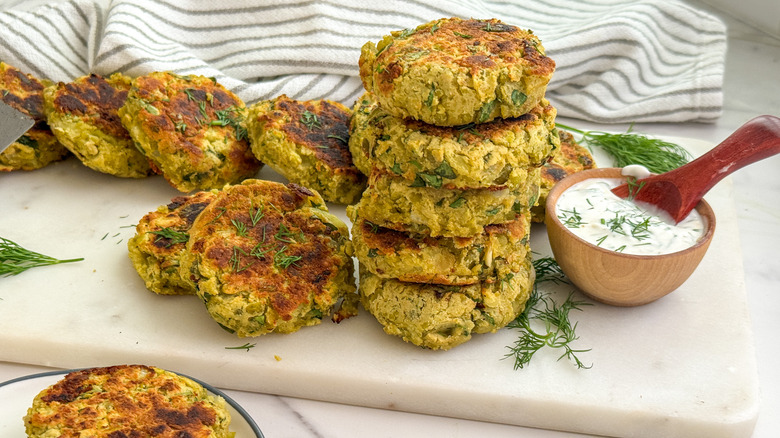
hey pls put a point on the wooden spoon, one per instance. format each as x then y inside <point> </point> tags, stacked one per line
<point>678,191</point>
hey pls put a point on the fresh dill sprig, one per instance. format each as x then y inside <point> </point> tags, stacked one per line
<point>657,155</point>
<point>15,259</point>
<point>544,323</point>
<point>547,269</point>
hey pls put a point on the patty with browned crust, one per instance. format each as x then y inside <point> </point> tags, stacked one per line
<point>161,237</point>
<point>455,71</point>
<point>127,401</point>
<point>191,128</point>
<point>474,155</point>
<point>268,257</point>
<point>572,157</point>
<point>421,258</point>
<point>38,147</point>
<point>83,115</point>
<point>394,202</point>
<point>440,317</point>
<point>307,143</point>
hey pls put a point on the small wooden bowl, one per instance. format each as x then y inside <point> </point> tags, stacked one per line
<point>616,278</point>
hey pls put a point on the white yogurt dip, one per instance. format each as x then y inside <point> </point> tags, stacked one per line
<point>595,214</point>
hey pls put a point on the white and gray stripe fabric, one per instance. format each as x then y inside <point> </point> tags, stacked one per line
<point>617,60</point>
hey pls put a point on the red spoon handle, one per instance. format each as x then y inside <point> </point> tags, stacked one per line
<point>757,139</point>
<point>678,191</point>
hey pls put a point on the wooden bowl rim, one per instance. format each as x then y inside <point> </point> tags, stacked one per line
<point>702,207</point>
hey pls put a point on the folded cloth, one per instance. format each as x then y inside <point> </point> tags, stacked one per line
<point>617,60</point>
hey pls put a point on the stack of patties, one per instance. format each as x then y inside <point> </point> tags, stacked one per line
<point>452,133</point>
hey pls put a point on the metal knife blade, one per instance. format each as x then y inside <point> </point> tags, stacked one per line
<point>13,123</point>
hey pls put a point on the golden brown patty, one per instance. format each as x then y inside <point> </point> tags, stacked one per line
<point>417,258</point>
<point>83,115</point>
<point>440,317</point>
<point>191,128</point>
<point>453,71</point>
<point>37,147</point>
<point>473,155</point>
<point>307,142</point>
<point>268,257</point>
<point>127,401</point>
<point>392,202</point>
<point>161,237</point>
<point>570,158</point>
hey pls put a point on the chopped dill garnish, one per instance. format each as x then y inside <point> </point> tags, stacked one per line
<point>286,235</point>
<point>615,224</point>
<point>634,187</point>
<point>246,347</point>
<point>222,211</point>
<point>260,250</point>
<point>342,139</point>
<point>202,109</point>
<point>256,213</point>
<point>284,260</point>
<point>240,227</point>
<point>310,119</point>
<point>571,218</point>
<point>235,259</point>
<point>231,117</point>
<point>174,236</point>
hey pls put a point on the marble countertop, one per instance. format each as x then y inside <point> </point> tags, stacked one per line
<point>751,89</point>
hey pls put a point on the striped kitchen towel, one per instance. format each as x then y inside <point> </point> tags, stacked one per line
<point>617,60</point>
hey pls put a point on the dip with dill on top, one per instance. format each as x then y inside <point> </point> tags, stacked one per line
<point>595,214</point>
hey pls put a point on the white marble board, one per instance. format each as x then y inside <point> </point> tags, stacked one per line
<point>683,366</point>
